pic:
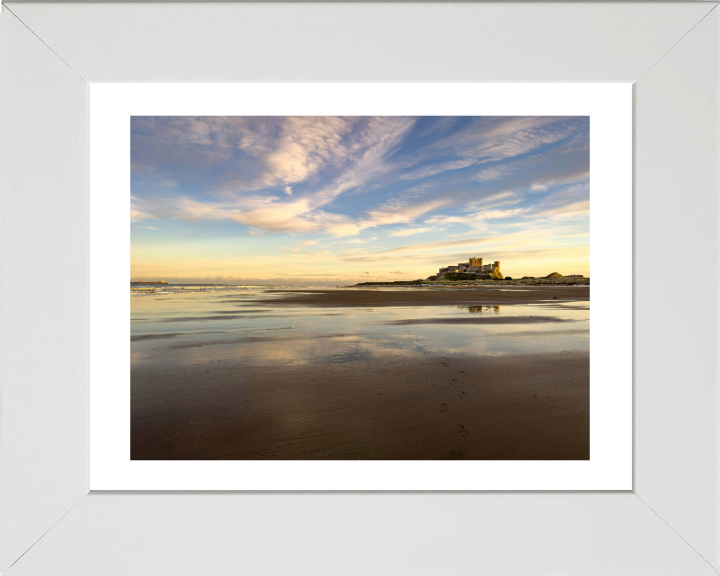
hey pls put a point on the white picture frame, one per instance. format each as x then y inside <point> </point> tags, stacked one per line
<point>49,523</point>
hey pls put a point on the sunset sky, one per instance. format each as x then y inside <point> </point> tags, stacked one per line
<point>335,200</point>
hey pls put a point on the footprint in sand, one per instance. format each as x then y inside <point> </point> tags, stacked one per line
<point>455,454</point>
<point>446,364</point>
<point>461,430</point>
<point>461,372</point>
<point>443,407</point>
<point>461,394</point>
<point>453,381</point>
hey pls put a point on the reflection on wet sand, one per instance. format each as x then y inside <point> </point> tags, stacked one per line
<point>245,376</point>
<point>476,309</point>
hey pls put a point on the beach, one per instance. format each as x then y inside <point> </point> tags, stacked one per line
<point>413,296</point>
<point>362,373</point>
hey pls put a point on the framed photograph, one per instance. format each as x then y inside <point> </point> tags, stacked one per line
<point>306,225</point>
<point>359,307</point>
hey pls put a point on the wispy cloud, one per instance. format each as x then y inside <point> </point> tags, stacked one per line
<point>433,169</point>
<point>361,240</point>
<point>410,231</point>
<point>498,138</point>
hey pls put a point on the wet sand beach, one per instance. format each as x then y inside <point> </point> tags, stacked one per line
<point>412,373</point>
<point>505,408</point>
<point>413,296</point>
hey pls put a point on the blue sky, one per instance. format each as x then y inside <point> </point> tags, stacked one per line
<point>345,199</point>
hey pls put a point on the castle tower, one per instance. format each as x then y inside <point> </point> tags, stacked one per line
<point>497,265</point>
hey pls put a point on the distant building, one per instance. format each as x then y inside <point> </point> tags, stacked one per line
<point>474,266</point>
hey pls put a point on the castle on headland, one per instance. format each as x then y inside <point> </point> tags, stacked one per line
<point>474,266</point>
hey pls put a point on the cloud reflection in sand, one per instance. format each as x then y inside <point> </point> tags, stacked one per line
<point>190,329</point>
